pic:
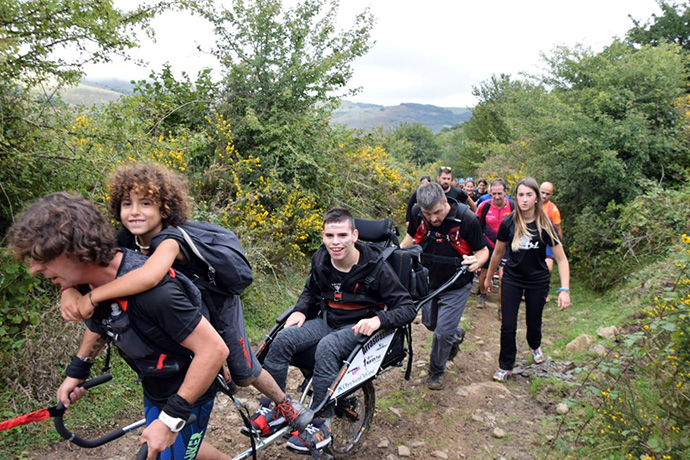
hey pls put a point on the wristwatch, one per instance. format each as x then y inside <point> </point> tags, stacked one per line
<point>175,424</point>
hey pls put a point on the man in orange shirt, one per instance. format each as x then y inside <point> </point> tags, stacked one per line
<point>551,210</point>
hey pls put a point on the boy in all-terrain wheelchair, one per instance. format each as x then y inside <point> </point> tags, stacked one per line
<point>344,301</point>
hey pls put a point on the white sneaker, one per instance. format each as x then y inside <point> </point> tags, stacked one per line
<point>501,375</point>
<point>538,356</point>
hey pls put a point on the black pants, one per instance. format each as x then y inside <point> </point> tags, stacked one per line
<point>535,299</point>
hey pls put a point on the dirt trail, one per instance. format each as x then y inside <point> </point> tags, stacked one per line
<point>471,418</point>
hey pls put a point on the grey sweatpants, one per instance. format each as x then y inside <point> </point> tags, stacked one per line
<point>450,306</point>
<point>334,345</point>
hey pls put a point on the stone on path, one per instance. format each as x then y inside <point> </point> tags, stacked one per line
<point>562,409</point>
<point>383,443</point>
<point>598,350</point>
<point>498,433</point>
<point>608,333</point>
<point>417,444</point>
<point>439,454</point>
<point>404,451</point>
<point>580,344</point>
<point>395,411</point>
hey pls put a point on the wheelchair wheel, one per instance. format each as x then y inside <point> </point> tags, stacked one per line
<point>353,416</point>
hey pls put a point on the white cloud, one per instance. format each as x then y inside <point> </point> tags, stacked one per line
<point>431,52</point>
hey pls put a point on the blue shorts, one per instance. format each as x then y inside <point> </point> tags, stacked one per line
<point>549,252</point>
<point>189,439</point>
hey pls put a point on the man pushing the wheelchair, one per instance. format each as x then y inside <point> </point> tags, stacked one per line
<point>450,235</point>
<point>335,310</point>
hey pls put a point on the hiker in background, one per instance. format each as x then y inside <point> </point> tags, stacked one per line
<point>482,188</point>
<point>470,188</point>
<point>336,308</point>
<point>69,242</point>
<point>525,234</point>
<point>491,214</point>
<point>551,210</point>
<point>449,234</point>
<point>148,199</point>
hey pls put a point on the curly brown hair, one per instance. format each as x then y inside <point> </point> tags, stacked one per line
<point>163,186</point>
<point>62,223</point>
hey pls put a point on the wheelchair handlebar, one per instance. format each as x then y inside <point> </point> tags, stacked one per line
<point>81,442</point>
<point>144,450</point>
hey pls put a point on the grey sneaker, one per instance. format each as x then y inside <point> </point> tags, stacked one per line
<point>481,302</point>
<point>435,382</point>
<point>295,413</point>
<point>501,375</point>
<point>538,356</point>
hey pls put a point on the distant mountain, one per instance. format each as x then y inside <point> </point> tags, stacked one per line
<point>368,116</point>
<point>114,84</point>
<point>89,95</point>
<point>357,115</point>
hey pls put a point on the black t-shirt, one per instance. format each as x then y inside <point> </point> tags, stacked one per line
<point>457,194</point>
<point>163,317</point>
<point>527,267</point>
<point>435,244</point>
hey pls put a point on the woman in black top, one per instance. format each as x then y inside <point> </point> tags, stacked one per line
<point>525,234</point>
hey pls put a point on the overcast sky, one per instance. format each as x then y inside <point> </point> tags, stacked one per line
<point>430,52</point>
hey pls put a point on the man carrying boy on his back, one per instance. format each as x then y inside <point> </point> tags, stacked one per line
<point>339,267</point>
<point>448,232</point>
<point>69,242</point>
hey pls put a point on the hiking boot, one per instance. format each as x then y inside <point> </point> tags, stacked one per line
<point>459,338</point>
<point>538,356</point>
<point>501,375</point>
<point>264,422</point>
<point>317,435</point>
<point>481,302</point>
<point>435,382</point>
<point>295,413</point>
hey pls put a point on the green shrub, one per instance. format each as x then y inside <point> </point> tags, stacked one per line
<point>607,246</point>
<point>642,394</point>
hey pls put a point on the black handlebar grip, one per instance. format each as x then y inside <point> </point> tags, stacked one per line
<point>144,450</point>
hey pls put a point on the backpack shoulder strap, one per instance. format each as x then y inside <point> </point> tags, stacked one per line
<point>195,250</point>
<point>379,265</point>
<point>482,214</point>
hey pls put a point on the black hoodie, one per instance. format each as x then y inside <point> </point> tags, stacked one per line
<point>386,288</point>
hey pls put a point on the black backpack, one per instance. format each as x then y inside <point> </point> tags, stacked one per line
<point>407,264</point>
<point>219,255</point>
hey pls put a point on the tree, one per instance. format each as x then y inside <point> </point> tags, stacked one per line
<point>423,146</point>
<point>285,71</point>
<point>673,26</point>
<point>35,127</point>
<point>31,31</point>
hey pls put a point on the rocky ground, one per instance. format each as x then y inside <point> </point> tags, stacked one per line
<point>471,418</point>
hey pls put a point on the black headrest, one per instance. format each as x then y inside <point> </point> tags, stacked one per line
<point>376,231</point>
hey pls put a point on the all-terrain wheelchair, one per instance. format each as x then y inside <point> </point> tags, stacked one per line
<point>352,393</point>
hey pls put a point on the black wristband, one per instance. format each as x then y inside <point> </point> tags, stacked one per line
<point>178,407</point>
<point>79,369</point>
